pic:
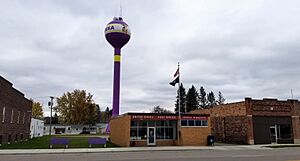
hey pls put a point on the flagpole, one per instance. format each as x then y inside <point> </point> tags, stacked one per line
<point>179,92</point>
<point>179,115</point>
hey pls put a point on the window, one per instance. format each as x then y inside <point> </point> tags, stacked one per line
<point>197,123</point>
<point>204,122</point>
<point>142,133</point>
<point>160,133</point>
<point>24,118</point>
<point>0,139</point>
<point>165,129</point>
<point>284,131</point>
<point>19,117</point>
<point>16,138</point>
<point>191,123</point>
<point>133,123</point>
<point>183,122</point>
<point>12,116</point>
<point>3,113</point>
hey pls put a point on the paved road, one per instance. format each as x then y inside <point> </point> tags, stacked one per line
<point>285,154</point>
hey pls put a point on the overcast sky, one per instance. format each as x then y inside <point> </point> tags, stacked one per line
<point>241,48</point>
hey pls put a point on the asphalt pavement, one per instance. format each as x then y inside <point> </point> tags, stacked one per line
<point>238,153</point>
<point>130,149</point>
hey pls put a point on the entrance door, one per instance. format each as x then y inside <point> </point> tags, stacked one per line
<point>273,134</point>
<point>151,136</point>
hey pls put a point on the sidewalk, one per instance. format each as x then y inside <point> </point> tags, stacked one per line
<point>129,149</point>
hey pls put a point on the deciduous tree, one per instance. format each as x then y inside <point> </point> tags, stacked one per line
<point>158,109</point>
<point>77,107</point>
<point>37,110</point>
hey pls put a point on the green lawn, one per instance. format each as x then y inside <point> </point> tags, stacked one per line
<point>76,141</point>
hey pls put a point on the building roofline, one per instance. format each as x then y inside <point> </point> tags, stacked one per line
<point>165,114</point>
<point>16,90</point>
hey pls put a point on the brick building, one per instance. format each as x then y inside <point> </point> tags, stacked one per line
<point>15,114</point>
<point>256,121</point>
<point>151,129</point>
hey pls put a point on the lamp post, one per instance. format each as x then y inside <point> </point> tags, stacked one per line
<point>51,106</point>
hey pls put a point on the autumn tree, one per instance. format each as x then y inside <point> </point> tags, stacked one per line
<point>77,107</point>
<point>37,110</point>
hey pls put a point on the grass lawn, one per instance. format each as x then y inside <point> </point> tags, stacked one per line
<point>76,141</point>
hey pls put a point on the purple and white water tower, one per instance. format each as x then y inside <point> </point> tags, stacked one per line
<point>117,33</point>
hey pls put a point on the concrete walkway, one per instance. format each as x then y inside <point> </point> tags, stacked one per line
<point>130,149</point>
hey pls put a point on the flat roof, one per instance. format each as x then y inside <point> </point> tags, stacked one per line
<point>164,114</point>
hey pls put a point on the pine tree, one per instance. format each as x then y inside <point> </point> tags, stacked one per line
<point>192,102</point>
<point>202,98</point>
<point>211,99</point>
<point>221,99</point>
<point>182,99</point>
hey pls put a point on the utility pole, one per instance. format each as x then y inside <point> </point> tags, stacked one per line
<point>51,106</point>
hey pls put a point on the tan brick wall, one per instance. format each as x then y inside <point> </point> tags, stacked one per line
<point>158,143</point>
<point>231,109</point>
<point>194,136</point>
<point>120,130</point>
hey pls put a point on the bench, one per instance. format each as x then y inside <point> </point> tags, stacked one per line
<point>97,141</point>
<point>59,141</point>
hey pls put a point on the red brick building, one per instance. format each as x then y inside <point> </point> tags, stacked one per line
<point>15,114</point>
<point>256,121</point>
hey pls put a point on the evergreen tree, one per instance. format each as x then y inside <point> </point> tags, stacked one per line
<point>211,99</point>
<point>107,114</point>
<point>98,114</point>
<point>182,99</point>
<point>192,102</point>
<point>221,99</point>
<point>202,98</point>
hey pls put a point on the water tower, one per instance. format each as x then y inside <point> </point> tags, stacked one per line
<point>117,33</point>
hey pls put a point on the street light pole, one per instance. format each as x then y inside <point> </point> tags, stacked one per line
<point>51,105</point>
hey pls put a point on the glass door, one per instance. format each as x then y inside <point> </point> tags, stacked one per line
<point>151,136</point>
<point>273,134</point>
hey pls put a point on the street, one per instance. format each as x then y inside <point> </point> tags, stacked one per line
<point>280,154</point>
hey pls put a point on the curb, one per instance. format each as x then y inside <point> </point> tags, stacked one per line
<point>132,149</point>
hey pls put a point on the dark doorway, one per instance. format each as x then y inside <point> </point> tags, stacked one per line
<point>269,130</point>
<point>273,134</point>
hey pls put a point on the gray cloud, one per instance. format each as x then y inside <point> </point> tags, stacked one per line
<point>244,49</point>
